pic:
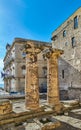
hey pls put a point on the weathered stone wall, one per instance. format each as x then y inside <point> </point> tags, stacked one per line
<point>74,93</point>
<point>70,61</point>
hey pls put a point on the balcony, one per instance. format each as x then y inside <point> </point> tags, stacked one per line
<point>54,38</point>
<point>8,62</point>
<point>9,76</point>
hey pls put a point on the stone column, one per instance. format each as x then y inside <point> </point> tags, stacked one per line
<point>52,79</point>
<point>32,82</point>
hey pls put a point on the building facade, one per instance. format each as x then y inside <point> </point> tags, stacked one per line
<point>68,38</point>
<point>15,66</point>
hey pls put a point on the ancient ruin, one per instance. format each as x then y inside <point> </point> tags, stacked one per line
<point>26,115</point>
<point>52,77</point>
<point>32,81</point>
<point>5,106</point>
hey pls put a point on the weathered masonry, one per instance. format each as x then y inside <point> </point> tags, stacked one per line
<point>68,38</point>
<point>52,78</point>
<point>32,79</point>
<point>5,106</point>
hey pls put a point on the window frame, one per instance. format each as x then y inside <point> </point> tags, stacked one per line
<point>63,74</point>
<point>75,22</point>
<point>64,33</point>
<point>73,42</point>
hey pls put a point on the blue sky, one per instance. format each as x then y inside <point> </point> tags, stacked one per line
<point>32,19</point>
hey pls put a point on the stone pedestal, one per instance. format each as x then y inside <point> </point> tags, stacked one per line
<point>32,85</point>
<point>5,106</point>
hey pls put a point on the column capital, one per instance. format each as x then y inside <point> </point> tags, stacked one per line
<point>32,48</point>
<point>52,52</point>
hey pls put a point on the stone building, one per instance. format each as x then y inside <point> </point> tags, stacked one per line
<point>68,37</point>
<point>15,66</point>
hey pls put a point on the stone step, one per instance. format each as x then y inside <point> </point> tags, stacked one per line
<point>21,117</point>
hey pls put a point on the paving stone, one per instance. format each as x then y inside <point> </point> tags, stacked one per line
<point>70,120</point>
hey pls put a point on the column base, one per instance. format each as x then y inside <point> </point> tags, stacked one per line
<point>56,107</point>
<point>32,107</point>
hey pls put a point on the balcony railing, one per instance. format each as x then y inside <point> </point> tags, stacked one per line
<point>11,59</point>
<point>9,76</point>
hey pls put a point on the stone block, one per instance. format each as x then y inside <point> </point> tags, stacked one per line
<point>51,126</point>
<point>5,106</point>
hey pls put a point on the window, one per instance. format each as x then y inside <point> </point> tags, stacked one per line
<point>54,37</point>
<point>23,54</point>
<point>73,41</point>
<point>63,74</point>
<point>13,68</point>
<point>23,69</point>
<point>64,33</point>
<point>66,43</point>
<point>75,22</point>
<point>45,71</point>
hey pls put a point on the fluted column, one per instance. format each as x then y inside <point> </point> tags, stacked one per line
<point>53,88</point>
<point>32,83</point>
<point>52,78</point>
